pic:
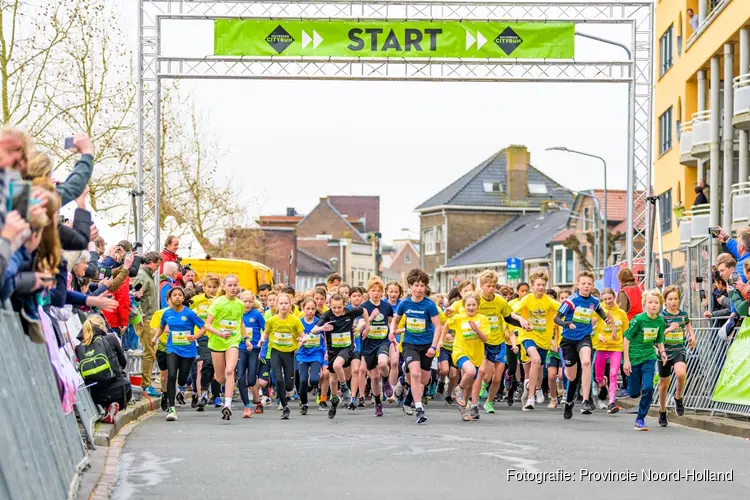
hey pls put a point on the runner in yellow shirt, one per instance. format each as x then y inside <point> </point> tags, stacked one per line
<point>204,369</point>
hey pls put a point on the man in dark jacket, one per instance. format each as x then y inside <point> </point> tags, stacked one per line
<point>148,298</point>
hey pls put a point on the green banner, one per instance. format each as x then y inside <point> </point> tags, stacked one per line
<point>734,382</point>
<point>352,38</point>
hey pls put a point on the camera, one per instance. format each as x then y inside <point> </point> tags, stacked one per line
<point>714,231</point>
<point>104,273</point>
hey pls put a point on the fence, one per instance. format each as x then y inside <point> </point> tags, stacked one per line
<point>42,451</point>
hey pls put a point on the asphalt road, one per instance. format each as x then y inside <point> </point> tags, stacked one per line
<point>359,456</point>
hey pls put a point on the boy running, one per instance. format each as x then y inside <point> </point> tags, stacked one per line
<point>376,343</point>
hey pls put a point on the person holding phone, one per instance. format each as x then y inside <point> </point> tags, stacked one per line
<point>40,165</point>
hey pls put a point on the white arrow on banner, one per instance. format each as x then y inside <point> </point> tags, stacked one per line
<point>481,40</point>
<point>305,39</point>
<point>469,40</point>
<point>317,39</point>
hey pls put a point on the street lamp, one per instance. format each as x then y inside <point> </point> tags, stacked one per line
<point>606,219</point>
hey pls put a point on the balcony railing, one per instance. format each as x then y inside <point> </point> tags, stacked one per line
<point>701,133</point>
<point>697,221</point>
<point>741,202</point>
<point>741,117</point>
<point>686,144</point>
<point>716,8</point>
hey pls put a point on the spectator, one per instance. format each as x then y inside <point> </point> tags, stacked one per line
<point>40,165</point>
<point>741,294</point>
<point>333,281</point>
<point>738,248</point>
<point>188,278</point>
<point>111,387</point>
<point>629,298</point>
<point>722,306</point>
<point>701,193</point>
<point>119,319</point>
<point>148,299</point>
<point>692,19</point>
<point>167,281</point>
<point>169,254</point>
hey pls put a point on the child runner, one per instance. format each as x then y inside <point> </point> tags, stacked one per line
<point>421,336</point>
<point>284,332</point>
<point>161,352</point>
<point>608,344</point>
<point>674,343</point>
<point>357,370</point>
<point>645,332</point>
<point>249,354</point>
<point>513,354</point>
<point>574,316</point>
<point>226,313</point>
<point>468,353</point>
<point>376,343</point>
<point>205,367</point>
<point>446,365</point>
<point>310,354</point>
<point>181,348</point>
<point>394,291</point>
<point>337,323</point>
<point>540,310</point>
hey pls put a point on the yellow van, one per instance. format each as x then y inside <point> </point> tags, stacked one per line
<point>251,274</point>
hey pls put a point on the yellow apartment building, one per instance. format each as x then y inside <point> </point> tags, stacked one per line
<point>702,65</point>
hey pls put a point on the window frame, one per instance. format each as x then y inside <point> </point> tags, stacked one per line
<point>666,50</point>
<point>407,258</point>
<point>665,208</point>
<point>428,237</point>
<point>665,131</point>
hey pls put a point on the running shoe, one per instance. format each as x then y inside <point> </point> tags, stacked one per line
<point>392,399</point>
<point>180,397</point>
<point>489,407</point>
<point>464,413</point>
<point>334,406</point>
<point>640,425</point>
<point>151,391</point>
<point>226,413</point>
<point>421,417</point>
<point>247,412</point>
<point>525,394</point>
<point>510,398</point>
<point>483,392</point>
<point>399,390</point>
<point>568,412</point>
<point>552,403</point>
<point>623,393</point>
<point>387,389</point>
<point>285,413</point>
<point>323,406</point>
<point>194,401</point>
<point>679,407</point>
<point>164,403</point>
<point>361,403</point>
<point>663,418</point>
<point>351,406</point>
<point>587,407</point>
<point>109,418</point>
<point>303,410</point>
<point>217,402</point>
<point>603,391</point>
<point>347,393</point>
<point>458,396</point>
<point>539,397</point>
<point>280,407</point>
<point>258,408</point>
<point>426,400</point>
<point>449,401</point>
<point>408,409</point>
<point>474,412</point>
<point>378,410</point>
<point>295,396</point>
<point>612,408</point>
<point>529,405</point>
<point>602,404</point>
<point>171,415</point>
<point>202,402</point>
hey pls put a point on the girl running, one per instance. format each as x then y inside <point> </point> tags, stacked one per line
<point>310,354</point>
<point>204,369</point>
<point>472,332</point>
<point>376,342</point>
<point>357,372</point>
<point>394,291</point>
<point>284,331</point>
<point>446,365</point>
<point>249,353</point>
<point>226,312</point>
<point>607,342</point>
<point>645,332</point>
<point>678,323</point>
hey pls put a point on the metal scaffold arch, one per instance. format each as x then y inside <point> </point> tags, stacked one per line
<point>636,72</point>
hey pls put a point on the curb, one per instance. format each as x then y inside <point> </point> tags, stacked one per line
<point>710,423</point>
<point>105,433</point>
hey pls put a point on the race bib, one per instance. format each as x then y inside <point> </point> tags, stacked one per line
<point>649,334</point>
<point>313,341</point>
<point>203,308</point>
<point>448,344</point>
<point>342,339</point>
<point>283,339</point>
<point>181,338</point>
<point>416,325</point>
<point>676,336</point>
<point>582,315</point>
<point>468,332</point>
<point>608,329</point>
<point>538,325</point>
<point>494,323</point>
<point>228,326</point>
<point>378,332</point>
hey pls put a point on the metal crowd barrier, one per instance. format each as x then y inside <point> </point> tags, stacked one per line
<point>704,364</point>
<point>42,451</point>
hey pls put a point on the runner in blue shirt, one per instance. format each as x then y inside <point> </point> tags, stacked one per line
<point>311,353</point>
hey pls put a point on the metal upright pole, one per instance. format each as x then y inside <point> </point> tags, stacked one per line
<point>715,145</point>
<point>630,201</point>
<point>744,137</point>
<point>728,137</point>
<point>139,107</point>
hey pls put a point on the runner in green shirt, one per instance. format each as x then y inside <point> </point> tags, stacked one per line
<point>646,331</point>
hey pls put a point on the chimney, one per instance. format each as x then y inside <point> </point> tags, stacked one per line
<point>517,160</point>
<point>291,212</point>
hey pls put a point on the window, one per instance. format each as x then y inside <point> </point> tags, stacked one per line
<point>492,187</point>
<point>564,271</point>
<point>587,219</point>
<point>537,188</point>
<point>407,258</point>
<point>428,237</point>
<point>569,271</point>
<point>665,211</point>
<point>665,44</point>
<point>559,265</point>
<point>665,131</point>
<point>439,245</point>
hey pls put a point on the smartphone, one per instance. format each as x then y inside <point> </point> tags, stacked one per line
<point>714,231</point>
<point>20,198</point>
<point>138,287</point>
<point>68,144</point>
<point>699,279</point>
<point>48,279</point>
<point>702,294</point>
<point>661,275</point>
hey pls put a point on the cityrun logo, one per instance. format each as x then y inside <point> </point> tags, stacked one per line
<point>508,40</point>
<point>279,39</point>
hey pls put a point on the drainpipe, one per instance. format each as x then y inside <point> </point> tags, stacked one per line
<point>744,136</point>
<point>728,131</point>
<point>715,157</point>
<point>701,107</point>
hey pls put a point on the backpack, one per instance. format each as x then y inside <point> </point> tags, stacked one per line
<point>95,365</point>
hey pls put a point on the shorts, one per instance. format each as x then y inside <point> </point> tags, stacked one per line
<point>492,352</point>
<point>417,352</point>
<point>357,354</point>
<point>665,370</point>
<point>465,359</point>
<point>571,348</point>
<point>542,352</point>
<point>553,359</point>
<point>446,355</point>
<point>264,369</point>
<point>347,354</point>
<point>372,359</point>
<point>161,360</point>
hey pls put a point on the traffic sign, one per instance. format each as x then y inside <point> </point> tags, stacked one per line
<point>513,268</point>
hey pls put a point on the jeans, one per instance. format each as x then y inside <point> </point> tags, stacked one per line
<point>641,380</point>
<point>282,364</point>
<point>178,369</point>
<point>309,373</point>
<point>149,351</point>
<point>247,372</point>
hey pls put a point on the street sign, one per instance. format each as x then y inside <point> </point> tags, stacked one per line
<point>381,39</point>
<point>513,268</point>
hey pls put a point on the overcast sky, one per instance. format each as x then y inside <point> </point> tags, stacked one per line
<point>290,142</point>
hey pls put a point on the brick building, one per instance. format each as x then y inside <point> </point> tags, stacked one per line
<point>402,257</point>
<point>485,198</point>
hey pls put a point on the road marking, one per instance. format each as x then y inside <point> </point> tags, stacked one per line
<point>520,462</point>
<point>140,471</point>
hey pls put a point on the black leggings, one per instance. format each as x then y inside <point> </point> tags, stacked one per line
<point>178,369</point>
<point>309,373</point>
<point>282,365</point>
